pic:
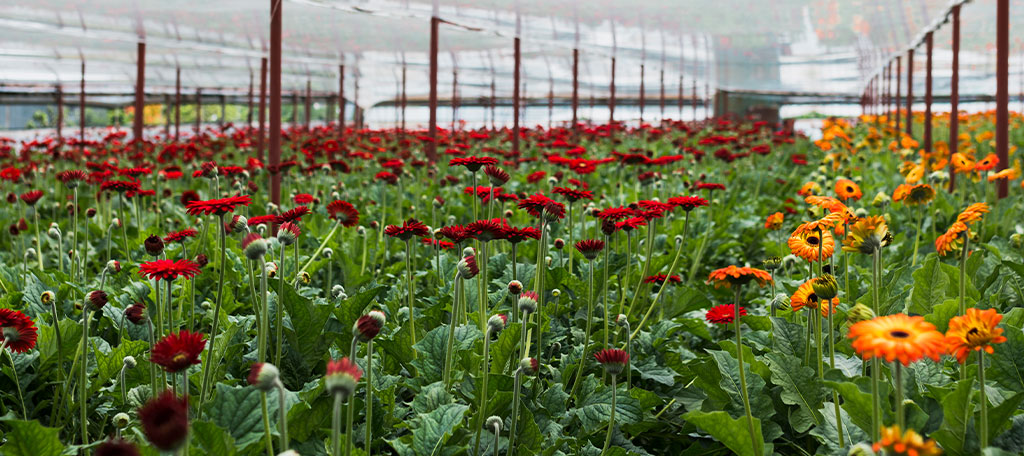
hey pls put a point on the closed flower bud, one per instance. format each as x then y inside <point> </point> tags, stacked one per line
<point>556,293</point>
<point>530,366</point>
<point>508,213</point>
<point>96,299</point>
<point>337,291</point>
<point>154,245</point>
<point>859,313</point>
<point>305,278</point>
<point>468,268</point>
<point>287,233</point>
<point>493,424</point>
<point>47,297</point>
<point>622,321</point>
<point>115,223</point>
<point>825,287</point>
<point>1017,240</point>
<point>496,323</point>
<point>368,326</point>
<point>122,420</point>
<point>559,243</point>
<point>114,266</point>
<point>468,252</point>
<point>361,230</point>
<point>254,246</point>
<point>238,223</point>
<point>781,301</point>
<point>263,376</point>
<point>271,269</point>
<point>515,287</point>
<point>54,231</point>
<point>90,212</point>
<point>202,260</point>
<point>136,313</point>
<point>30,253</point>
<point>289,453</point>
<point>861,449</point>
<point>129,362</point>
<point>881,199</point>
<point>328,252</point>
<point>528,302</point>
<point>771,263</point>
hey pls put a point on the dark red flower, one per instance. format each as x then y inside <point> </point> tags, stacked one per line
<point>188,196</point>
<point>180,236</point>
<point>303,198</point>
<point>709,186</point>
<point>496,175</point>
<point>613,360</point>
<point>443,245</point>
<point>455,233</point>
<point>573,195</point>
<point>17,331</point>
<point>261,220</point>
<point>409,228</point>
<point>177,351</point>
<point>631,223</point>
<point>344,212</point>
<point>687,203</point>
<point>117,447</point>
<point>590,248</point>
<point>168,269</point>
<point>120,186</point>
<point>516,235</point>
<point>165,421</point>
<point>32,197</point>
<point>387,177</point>
<point>723,314</point>
<point>136,313</point>
<point>554,211</point>
<point>616,213</point>
<point>368,326</point>
<point>662,278</point>
<point>652,205</point>
<point>72,177</point>
<point>217,206</point>
<point>487,230</point>
<point>536,176</point>
<point>153,245</point>
<point>473,164</point>
<point>293,215</point>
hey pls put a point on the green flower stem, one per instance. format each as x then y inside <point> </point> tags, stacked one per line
<point>611,418</point>
<point>515,298</point>
<point>83,374</point>
<point>876,420</point>
<point>268,437</point>
<point>515,410</point>
<point>497,433</point>
<point>320,248</point>
<point>570,244</point>
<point>264,318</point>
<point>369,396</point>
<point>538,284</point>
<point>962,304</point>
<point>210,352</point>
<point>522,336</point>
<point>817,339</point>
<point>336,425</point>
<point>283,425</point>
<point>481,290</point>
<point>124,231</point>
<point>743,376</point>
<point>624,279</point>
<point>410,289</point>
<point>671,269</point>
<point>605,266</point>
<point>449,349</point>
<point>39,243</point>
<point>17,381</point>
<point>897,369</point>
<point>279,314</point>
<point>629,351</point>
<point>484,372</point>
<point>644,271</point>
<point>362,264</point>
<point>56,329</point>
<point>983,428</point>
<point>917,236</point>
<point>348,426</point>
<point>586,337</point>
<point>832,365</point>
<point>74,234</point>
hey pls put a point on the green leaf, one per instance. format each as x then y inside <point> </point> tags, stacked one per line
<point>788,338</point>
<point>307,343</point>
<point>432,430</point>
<point>856,401</point>
<point>29,438</point>
<point>930,284</point>
<point>760,403</point>
<point>957,411</point>
<point>595,406</point>
<point>941,314</point>
<point>1007,368</point>
<point>212,439</point>
<point>505,347</point>
<point>734,433</point>
<point>239,409</point>
<point>999,417</point>
<point>431,397</point>
<point>109,365</point>
<point>431,350</point>
<point>828,434</point>
<point>800,386</point>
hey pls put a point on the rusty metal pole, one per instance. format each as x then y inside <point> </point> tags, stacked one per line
<point>248,117</point>
<point>275,99</point>
<point>516,69</point>
<point>308,111</point>
<point>954,99</point>
<point>341,103</point>
<point>910,93</point>
<point>661,99</point>
<point>899,86</point>
<point>455,97</point>
<point>432,132</point>
<point>1002,90</point>
<point>642,89</point>
<point>928,42</point>
<point>611,98</point>
<point>403,98</point>
<point>575,88</point>
<point>693,101</point>
<point>140,95</point>
<point>680,96</point>
<point>177,103</point>
<point>223,111</point>
<point>199,110</point>
<point>81,112</point>
<point>261,140</point>
<point>60,118</point>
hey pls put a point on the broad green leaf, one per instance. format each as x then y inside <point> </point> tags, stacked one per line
<point>828,433</point>
<point>800,386</point>
<point>431,397</point>
<point>999,417</point>
<point>760,403</point>
<point>856,400</point>
<point>212,439</point>
<point>431,431</point>
<point>595,406</point>
<point>108,365</point>
<point>505,348</point>
<point>305,336</point>
<point>941,314</point>
<point>1007,367</point>
<point>957,410</point>
<point>29,438</point>
<point>431,350</point>
<point>734,433</point>
<point>239,409</point>
<point>788,338</point>
<point>930,283</point>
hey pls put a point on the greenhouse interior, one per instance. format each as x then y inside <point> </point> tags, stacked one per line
<point>405,227</point>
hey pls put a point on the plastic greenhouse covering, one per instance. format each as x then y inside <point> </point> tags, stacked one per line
<point>825,49</point>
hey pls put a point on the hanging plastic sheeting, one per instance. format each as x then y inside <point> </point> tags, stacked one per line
<point>817,48</point>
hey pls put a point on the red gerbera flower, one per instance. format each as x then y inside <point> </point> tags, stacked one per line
<point>662,278</point>
<point>487,230</point>
<point>303,198</point>
<point>709,186</point>
<point>516,235</point>
<point>616,213</point>
<point>342,377</point>
<point>723,314</point>
<point>534,204</point>
<point>590,248</point>
<point>188,196</point>
<point>32,197</point>
<point>652,205</point>
<point>387,177</point>
<point>687,203</point>
<point>71,177</point>
<point>217,206</point>
<point>120,186</point>
<point>409,228</point>
<point>117,447</point>
<point>573,195</point>
<point>177,351</point>
<point>165,421</point>
<point>168,269</point>
<point>496,175</point>
<point>293,215</point>
<point>455,233</point>
<point>631,224</point>
<point>443,245</point>
<point>180,236</point>
<point>17,331</point>
<point>344,212</point>
<point>473,164</point>
<point>613,360</point>
<point>536,176</point>
<point>261,220</point>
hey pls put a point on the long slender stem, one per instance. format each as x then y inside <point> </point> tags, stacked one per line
<point>897,369</point>
<point>410,289</point>
<point>484,372</point>
<point>207,371</point>
<point>518,383</point>
<point>17,381</point>
<point>74,233</point>
<point>875,365</point>
<point>832,365</point>
<point>586,337</point>
<point>83,386</point>
<point>369,396</point>
<point>336,426</point>
<point>39,243</point>
<point>671,269</point>
<point>268,437</point>
<point>571,255</point>
<point>643,273</point>
<point>743,376</point>
<point>124,230</point>
<point>279,314</point>
<point>283,425</point>
<point>611,418</point>
<point>449,349</point>
<point>539,288</point>
<point>983,428</point>
<point>917,236</point>
<point>606,266</point>
<point>348,426</point>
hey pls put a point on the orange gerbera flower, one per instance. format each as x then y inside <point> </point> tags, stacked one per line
<point>897,337</point>
<point>975,330</point>
<point>915,174</point>
<point>774,221</point>
<point>908,143</point>
<point>901,192</point>
<point>973,213</point>
<point>804,243</point>
<point>950,240</point>
<point>847,189</point>
<point>919,194</point>
<point>736,275</point>
<point>825,223</point>
<point>961,163</point>
<point>867,235</point>
<point>985,164</point>
<point>804,297</point>
<point>909,443</point>
<point>809,188</point>
<point>1008,174</point>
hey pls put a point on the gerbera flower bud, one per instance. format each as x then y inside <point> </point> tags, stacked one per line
<point>47,297</point>
<point>96,299</point>
<point>861,449</point>
<point>287,233</point>
<point>154,245</point>
<point>559,243</point>
<point>53,232</point>
<point>115,223</point>
<point>496,323</point>
<point>468,252</point>
<point>438,202</point>
<point>30,253</point>
<point>826,286</point>
<point>113,266</point>
<point>90,212</point>
<point>305,278</point>
<point>254,246</point>
<point>493,424</point>
<point>608,227</point>
<point>530,366</point>
<point>859,313</point>
<point>136,313</point>
<point>238,223</point>
<point>165,421</point>
<point>590,248</point>
<point>271,269</point>
<point>121,420</point>
<point>515,287</point>
<point>342,377</point>
<point>368,326</point>
<point>556,293</point>
<point>117,447</point>
<point>337,291</point>
<point>613,360</point>
<point>328,252</point>
<point>528,302</point>
<point>468,268</point>
<point>129,362</point>
<point>289,453</point>
<point>361,231</point>
<point>263,376</point>
<point>202,260</point>
<point>1017,240</point>
<point>622,321</point>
